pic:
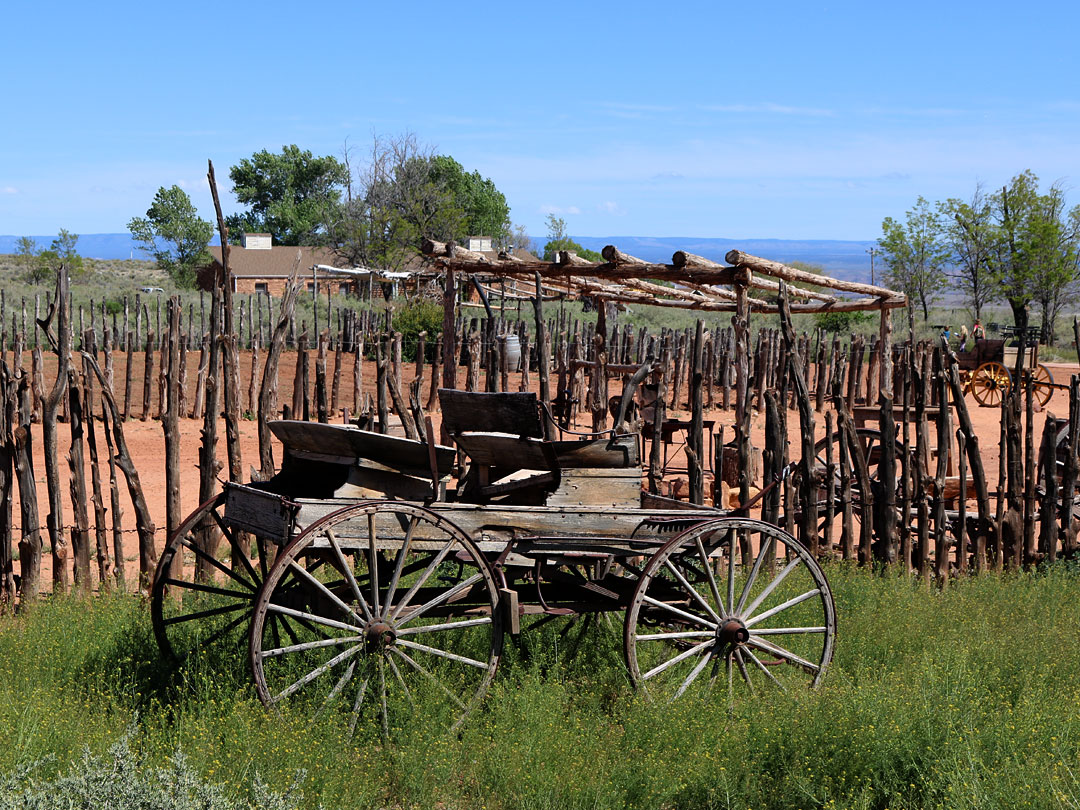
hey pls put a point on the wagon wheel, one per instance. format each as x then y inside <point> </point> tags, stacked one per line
<point>388,610</point>
<point>699,616</point>
<point>990,384</point>
<point>1042,384</point>
<point>211,598</point>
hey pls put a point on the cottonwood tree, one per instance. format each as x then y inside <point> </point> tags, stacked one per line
<point>172,219</point>
<point>294,196</point>
<point>60,253</point>
<point>26,256</point>
<point>1035,248</point>
<point>558,240</point>
<point>915,254</point>
<point>969,235</point>
<point>405,192</point>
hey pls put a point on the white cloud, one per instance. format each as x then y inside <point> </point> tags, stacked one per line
<point>611,207</point>
<point>766,107</point>
<point>558,210</point>
<point>9,190</point>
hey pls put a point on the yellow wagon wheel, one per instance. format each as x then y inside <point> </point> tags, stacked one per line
<point>990,383</point>
<point>1042,384</point>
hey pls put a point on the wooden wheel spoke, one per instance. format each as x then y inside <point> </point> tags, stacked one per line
<point>424,576</point>
<point>731,567</point>
<point>795,600</point>
<point>438,628</point>
<point>692,676</point>
<point>360,694</point>
<point>221,632</point>
<point>311,617</point>
<point>761,597</point>
<point>764,669</point>
<point>214,561</point>
<point>780,652</point>
<point>198,586</point>
<point>710,575</point>
<point>348,573</point>
<point>438,600</point>
<point>763,552</point>
<point>461,659</point>
<point>401,680</point>
<point>204,614</point>
<point>399,565</point>
<point>784,631</point>
<point>230,535</point>
<point>675,636</point>
<point>329,594</point>
<point>427,674</point>
<point>738,654</point>
<point>336,641</point>
<point>373,571</point>
<point>697,649</point>
<point>295,686</point>
<point>672,609</point>
<point>380,665</point>
<point>692,591</point>
<point>342,682</point>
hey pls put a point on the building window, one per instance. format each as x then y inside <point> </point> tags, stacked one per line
<point>262,287</point>
<point>345,288</point>
<point>311,286</point>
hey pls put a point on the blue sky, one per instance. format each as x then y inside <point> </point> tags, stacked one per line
<point>786,120</point>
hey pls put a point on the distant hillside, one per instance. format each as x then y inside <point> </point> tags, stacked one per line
<point>847,260</point>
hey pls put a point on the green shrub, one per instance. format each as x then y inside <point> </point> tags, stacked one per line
<point>841,322</point>
<point>419,316</point>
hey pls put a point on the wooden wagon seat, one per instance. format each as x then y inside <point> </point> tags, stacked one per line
<point>321,459</point>
<point>519,414</point>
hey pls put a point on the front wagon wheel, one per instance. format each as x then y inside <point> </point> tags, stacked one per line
<point>700,619</point>
<point>380,612</point>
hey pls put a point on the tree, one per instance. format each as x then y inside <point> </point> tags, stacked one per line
<point>26,256</point>
<point>404,193</point>
<point>485,208</point>
<point>969,235</point>
<point>60,252</point>
<point>172,219</point>
<point>520,239</point>
<point>294,196</point>
<point>1035,248</point>
<point>915,254</point>
<point>558,241</point>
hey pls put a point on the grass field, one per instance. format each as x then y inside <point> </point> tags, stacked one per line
<point>962,698</point>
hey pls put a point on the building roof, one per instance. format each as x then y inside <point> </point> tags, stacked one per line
<point>276,262</point>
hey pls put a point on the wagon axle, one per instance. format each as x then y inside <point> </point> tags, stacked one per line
<point>379,635</point>
<point>732,632</point>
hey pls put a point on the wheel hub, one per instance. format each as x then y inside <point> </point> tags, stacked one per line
<point>379,636</point>
<point>732,632</point>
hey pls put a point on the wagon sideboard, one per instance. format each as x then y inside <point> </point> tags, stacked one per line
<point>492,526</point>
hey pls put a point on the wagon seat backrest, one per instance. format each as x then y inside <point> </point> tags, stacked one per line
<point>502,435</point>
<point>328,461</point>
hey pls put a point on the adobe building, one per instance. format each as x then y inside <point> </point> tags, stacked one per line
<point>258,266</point>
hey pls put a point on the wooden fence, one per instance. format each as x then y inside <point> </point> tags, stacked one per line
<point>913,492</point>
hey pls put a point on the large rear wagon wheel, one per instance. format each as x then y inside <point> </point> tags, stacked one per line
<point>700,620</point>
<point>388,612</point>
<point>207,598</point>
<point>990,384</point>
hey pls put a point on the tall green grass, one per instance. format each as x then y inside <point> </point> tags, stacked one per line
<point>967,697</point>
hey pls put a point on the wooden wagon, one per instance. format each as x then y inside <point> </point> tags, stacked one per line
<point>987,366</point>
<point>379,577</point>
